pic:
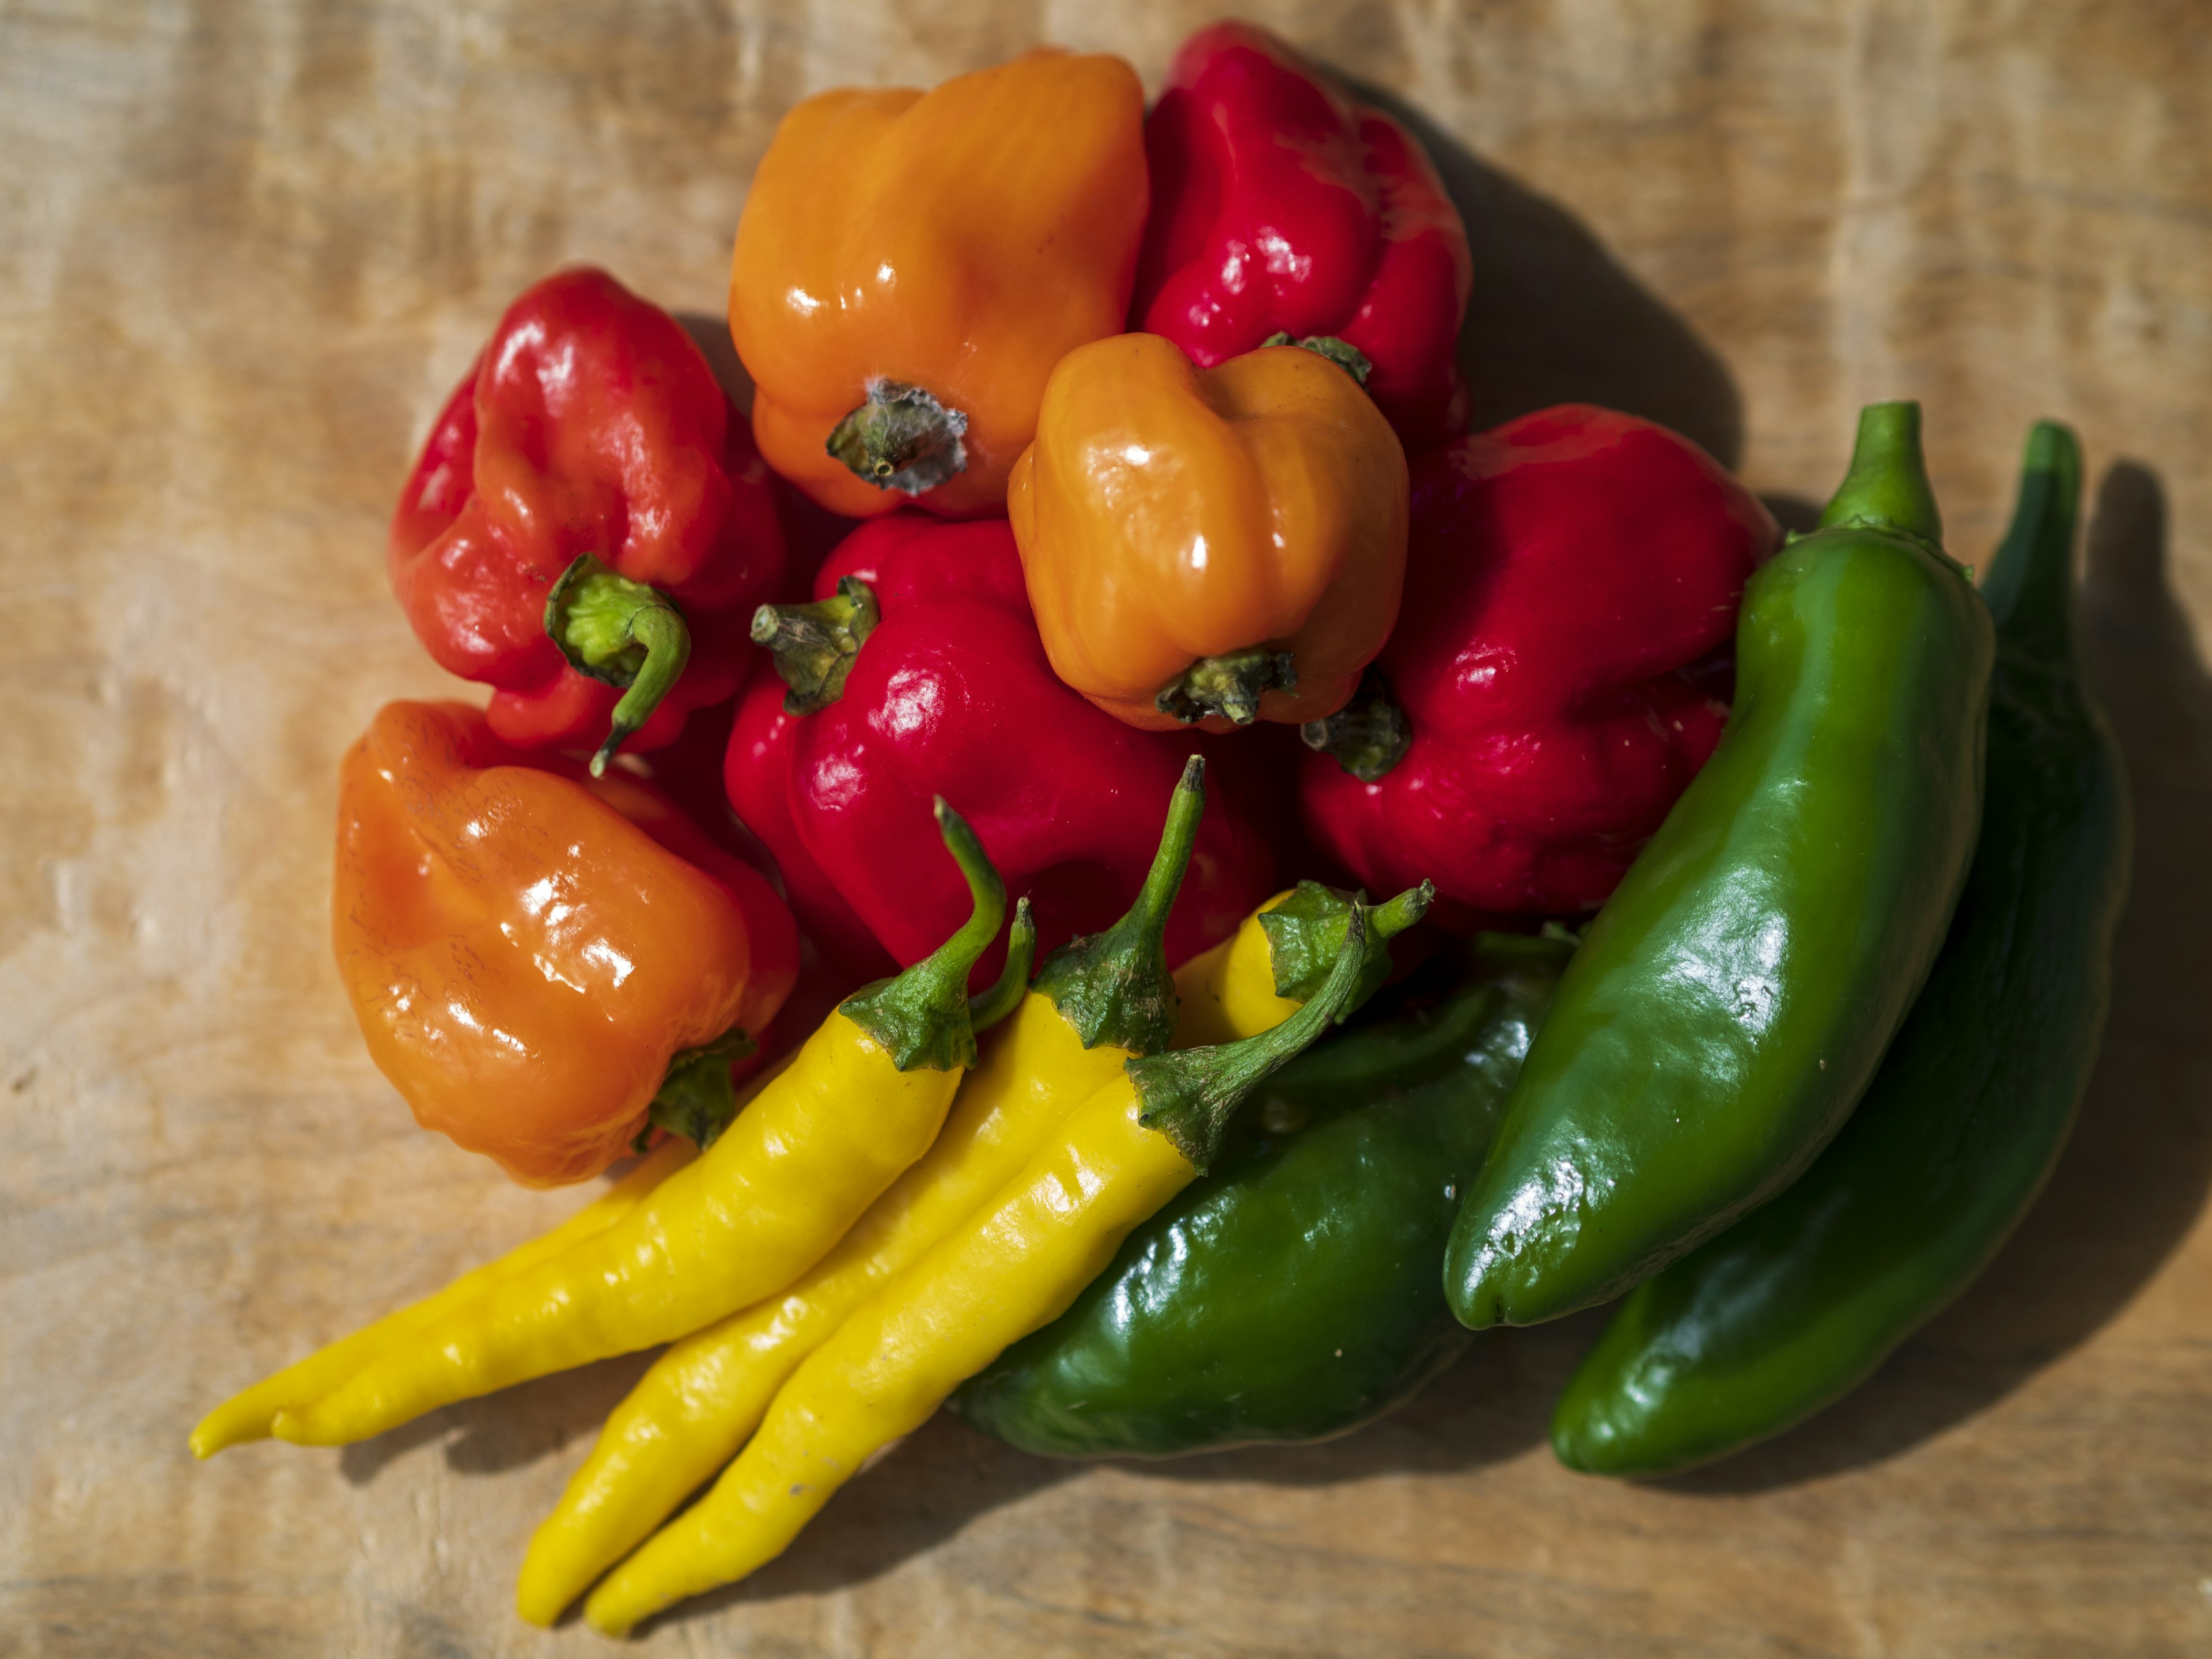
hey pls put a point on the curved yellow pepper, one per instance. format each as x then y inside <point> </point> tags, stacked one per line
<point>862,1099</point>
<point>1099,1002</point>
<point>1008,1269</point>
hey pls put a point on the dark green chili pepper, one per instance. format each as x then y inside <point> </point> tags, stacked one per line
<point>1795,1306</point>
<point>1732,999</point>
<point>1291,1294</point>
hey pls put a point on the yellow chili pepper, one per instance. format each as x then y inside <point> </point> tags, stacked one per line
<point>1007,1270</point>
<point>1262,973</point>
<point>1097,1003</point>
<point>248,1416</point>
<point>863,1099</point>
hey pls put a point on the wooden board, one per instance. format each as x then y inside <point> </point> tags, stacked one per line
<point>245,247</point>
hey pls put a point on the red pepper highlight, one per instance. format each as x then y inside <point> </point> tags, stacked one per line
<point>1280,206</point>
<point>1540,708</point>
<point>590,424</point>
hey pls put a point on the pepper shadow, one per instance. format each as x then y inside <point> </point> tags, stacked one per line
<point>505,1431</point>
<point>2134,1178</point>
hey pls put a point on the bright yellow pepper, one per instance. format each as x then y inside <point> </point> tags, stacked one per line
<point>1096,1003</point>
<point>1007,1270</point>
<point>862,1099</point>
<point>1262,973</point>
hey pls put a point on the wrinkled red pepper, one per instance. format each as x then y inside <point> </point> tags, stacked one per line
<point>1544,699</point>
<point>589,527</point>
<point>945,690</point>
<point>1279,206</point>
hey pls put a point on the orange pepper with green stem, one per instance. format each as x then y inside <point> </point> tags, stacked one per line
<point>1211,546</point>
<point>910,265</point>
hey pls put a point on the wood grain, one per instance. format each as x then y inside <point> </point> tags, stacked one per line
<point>243,247</point>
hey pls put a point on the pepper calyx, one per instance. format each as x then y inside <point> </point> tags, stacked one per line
<point>814,645</point>
<point>1306,930</point>
<point>1344,355</point>
<point>1368,736</point>
<point>1190,1095</point>
<point>920,1016</point>
<point>1114,987</point>
<point>696,1098</point>
<point>1886,489</point>
<point>622,633</point>
<point>1230,686</point>
<point>901,437</point>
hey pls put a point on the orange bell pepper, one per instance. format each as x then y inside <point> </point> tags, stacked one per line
<point>533,952</point>
<point>1210,546</point>
<point>910,265</point>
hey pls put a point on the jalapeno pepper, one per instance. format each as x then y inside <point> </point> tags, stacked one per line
<point>1730,1002</point>
<point>1795,1306</point>
<point>1291,1294</point>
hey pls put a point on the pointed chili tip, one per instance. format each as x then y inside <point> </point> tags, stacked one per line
<point>1887,486</point>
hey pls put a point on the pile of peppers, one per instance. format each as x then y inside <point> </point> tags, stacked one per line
<point>1220,884</point>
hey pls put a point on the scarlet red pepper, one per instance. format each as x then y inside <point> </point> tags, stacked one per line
<point>1280,206</point>
<point>1530,721</point>
<point>589,525</point>
<point>922,667</point>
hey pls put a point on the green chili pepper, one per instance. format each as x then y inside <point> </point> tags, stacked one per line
<point>1731,1002</point>
<point>1291,1294</point>
<point>1794,1307</point>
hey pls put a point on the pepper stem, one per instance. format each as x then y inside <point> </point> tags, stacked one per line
<point>1013,983</point>
<point>1886,488</point>
<point>622,633</point>
<point>901,438</point>
<point>814,645</point>
<point>920,1016</point>
<point>1307,929</point>
<point>1344,355</point>
<point>2030,588</point>
<point>1190,1094</point>
<point>1227,685</point>
<point>697,1099</point>
<point>1368,736</point>
<point>1115,987</point>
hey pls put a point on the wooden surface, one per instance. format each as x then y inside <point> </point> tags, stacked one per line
<point>243,249</point>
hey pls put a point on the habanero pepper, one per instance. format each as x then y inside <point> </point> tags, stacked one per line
<point>1801,1301</point>
<point>588,526</point>
<point>820,1140</point>
<point>1097,1003</point>
<point>1211,546</point>
<point>1290,1292</point>
<point>1279,207</point>
<point>541,960</point>
<point>910,265</point>
<point>1528,724</point>
<point>1730,1004</point>
<point>1011,1267</point>
<point>920,669</point>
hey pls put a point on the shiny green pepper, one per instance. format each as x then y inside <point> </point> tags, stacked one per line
<point>1731,1002</point>
<point>1291,1294</point>
<point>1795,1305</point>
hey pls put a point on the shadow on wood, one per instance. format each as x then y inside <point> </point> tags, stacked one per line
<point>2134,1177</point>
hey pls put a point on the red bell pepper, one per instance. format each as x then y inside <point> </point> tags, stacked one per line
<point>922,674</point>
<point>1542,702</point>
<point>588,527</point>
<point>1278,206</point>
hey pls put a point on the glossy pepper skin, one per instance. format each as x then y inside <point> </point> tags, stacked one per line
<point>1527,726</point>
<point>1291,1294</point>
<point>590,425</point>
<point>1799,1303</point>
<point>1012,1266</point>
<point>1728,1006</point>
<point>951,690</point>
<point>1279,206</point>
<point>527,948</point>
<point>1214,545</point>
<point>910,265</point>
<point>1096,1003</point>
<point>820,1138</point>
